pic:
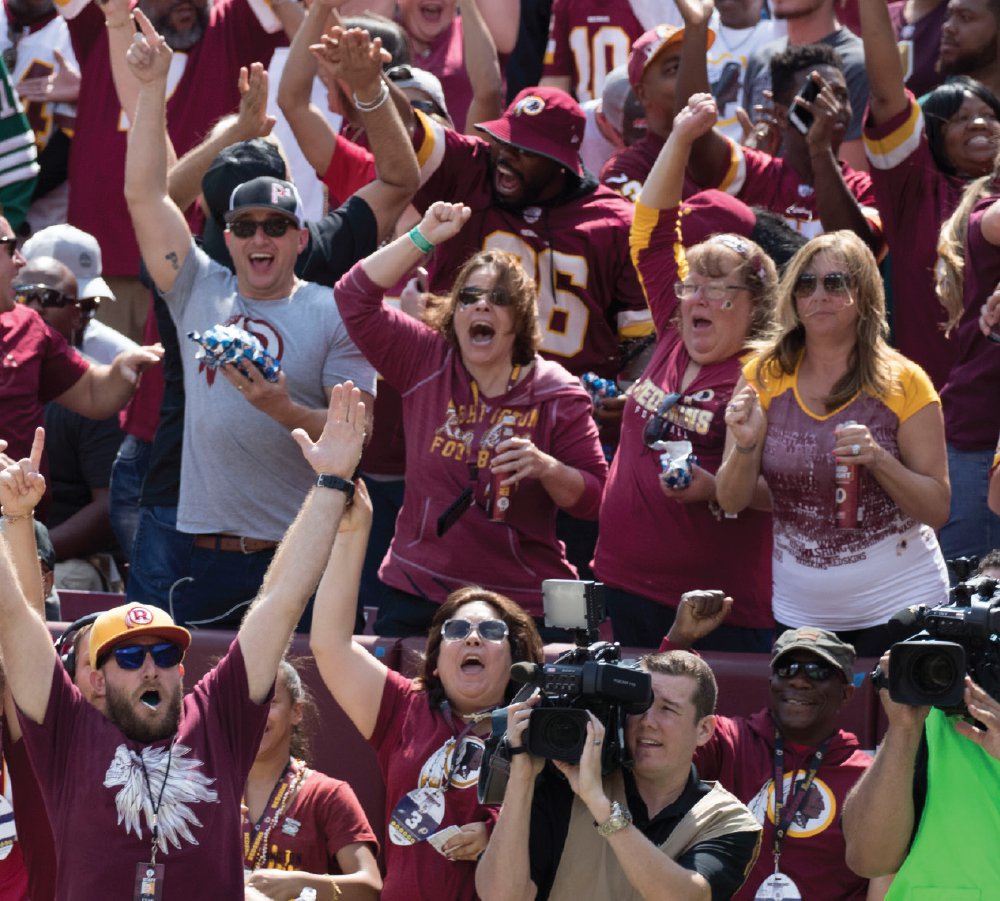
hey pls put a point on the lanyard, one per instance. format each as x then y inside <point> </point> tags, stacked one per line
<point>783,815</point>
<point>282,794</point>
<point>159,798</point>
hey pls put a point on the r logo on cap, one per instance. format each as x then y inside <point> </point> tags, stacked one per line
<point>531,105</point>
<point>138,616</point>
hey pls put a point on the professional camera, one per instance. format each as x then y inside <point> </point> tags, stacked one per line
<point>590,677</point>
<point>960,637</point>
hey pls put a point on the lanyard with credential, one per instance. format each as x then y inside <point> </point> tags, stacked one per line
<point>783,815</point>
<point>149,876</point>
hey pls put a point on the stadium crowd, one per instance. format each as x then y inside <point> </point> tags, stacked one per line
<point>326,315</point>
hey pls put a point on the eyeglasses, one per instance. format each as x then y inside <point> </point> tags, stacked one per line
<point>817,672</point>
<point>274,227</point>
<point>165,655</point>
<point>836,284</point>
<point>470,295</point>
<point>658,424</point>
<point>9,243</point>
<point>487,630</point>
<point>713,292</point>
<point>42,295</point>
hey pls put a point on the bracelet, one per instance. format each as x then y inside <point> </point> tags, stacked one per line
<point>740,449</point>
<point>423,245</point>
<point>369,106</point>
<point>129,21</point>
<point>337,484</point>
<point>17,517</point>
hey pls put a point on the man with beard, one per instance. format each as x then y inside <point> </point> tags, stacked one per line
<point>970,38</point>
<point>214,38</point>
<point>146,802</point>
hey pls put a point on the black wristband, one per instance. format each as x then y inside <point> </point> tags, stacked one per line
<point>337,484</point>
<point>520,750</point>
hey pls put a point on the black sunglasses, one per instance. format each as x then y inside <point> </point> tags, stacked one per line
<point>834,283</point>
<point>165,655</point>
<point>274,227</point>
<point>9,243</point>
<point>657,425</point>
<point>43,295</point>
<point>469,296</point>
<point>487,630</point>
<point>817,672</point>
<point>89,305</point>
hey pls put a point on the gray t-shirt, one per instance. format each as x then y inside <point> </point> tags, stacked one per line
<point>849,48</point>
<point>241,472</point>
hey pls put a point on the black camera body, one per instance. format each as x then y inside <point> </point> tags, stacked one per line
<point>590,678</point>
<point>958,638</point>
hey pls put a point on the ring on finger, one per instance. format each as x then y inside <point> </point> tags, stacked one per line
<point>855,449</point>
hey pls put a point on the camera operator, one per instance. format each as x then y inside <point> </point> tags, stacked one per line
<point>928,805</point>
<point>811,682</point>
<point>651,830</point>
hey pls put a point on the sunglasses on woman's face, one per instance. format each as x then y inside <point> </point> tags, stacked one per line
<point>9,243</point>
<point>470,296</point>
<point>43,296</point>
<point>817,672</point>
<point>487,630</point>
<point>274,227</point>
<point>836,284</point>
<point>131,656</point>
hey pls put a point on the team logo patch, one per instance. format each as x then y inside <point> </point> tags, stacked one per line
<point>279,192</point>
<point>138,616</point>
<point>531,105</point>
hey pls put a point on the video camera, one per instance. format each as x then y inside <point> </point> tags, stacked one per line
<point>590,677</point>
<point>959,637</point>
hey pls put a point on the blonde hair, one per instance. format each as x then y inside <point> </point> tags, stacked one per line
<point>870,367</point>
<point>949,272</point>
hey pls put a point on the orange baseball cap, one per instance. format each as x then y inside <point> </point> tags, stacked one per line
<point>119,624</point>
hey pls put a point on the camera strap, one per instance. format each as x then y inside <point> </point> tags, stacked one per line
<point>783,815</point>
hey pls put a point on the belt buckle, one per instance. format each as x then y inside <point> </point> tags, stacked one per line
<point>243,545</point>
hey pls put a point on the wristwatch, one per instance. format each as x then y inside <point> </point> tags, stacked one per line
<point>337,484</point>
<point>619,819</point>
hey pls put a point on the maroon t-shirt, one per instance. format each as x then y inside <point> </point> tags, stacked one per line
<point>969,399</point>
<point>740,755</point>
<point>34,848</point>
<point>324,817</point>
<point>445,59</point>
<point>92,779</point>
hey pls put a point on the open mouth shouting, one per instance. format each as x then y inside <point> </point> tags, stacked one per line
<point>472,665</point>
<point>150,699</point>
<point>481,334</point>
<point>506,181</point>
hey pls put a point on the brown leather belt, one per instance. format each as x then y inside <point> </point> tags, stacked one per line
<point>235,544</point>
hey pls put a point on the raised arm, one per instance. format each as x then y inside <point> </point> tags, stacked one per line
<point>160,228</point>
<point>746,425</point>
<point>357,60</point>
<point>316,138</point>
<point>664,185</point>
<point>25,645</point>
<point>503,19</point>
<point>887,91</point>
<point>252,121</point>
<point>353,676</point>
<point>482,65</point>
<point>298,564</point>
<point>710,153</point>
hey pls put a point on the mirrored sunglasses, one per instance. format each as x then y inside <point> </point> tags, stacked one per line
<point>469,295</point>
<point>834,283</point>
<point>274,227</point>
<point>816,672</point>
<point>487,630</point>
<point>42,295</point>
<point>165,654</point>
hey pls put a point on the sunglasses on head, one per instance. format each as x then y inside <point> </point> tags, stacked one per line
<point>817,672</point>
<point>131,656</point>
<point>43,295</point>
<point>470,295</point>
<point>657,425</point>
<point>9,243</point>
<point>274,227</point>
<point>487,630</point>
<point>834,284</point>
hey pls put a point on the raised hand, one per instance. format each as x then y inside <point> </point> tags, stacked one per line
<point>21,483</point>
<point>253,120</point>
<point>149,56</point>
<point>745,418</point>
<point>361,61</point>
<point>695,12</point>
<point>63,85</point>
<point>696,119</point>
<point>699,614</point>
<point>339,447</point>
<point>443,220</point>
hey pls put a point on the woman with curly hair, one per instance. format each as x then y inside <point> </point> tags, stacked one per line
<point>497,438</point>
<point>824,394</point>
<point>428,732</point>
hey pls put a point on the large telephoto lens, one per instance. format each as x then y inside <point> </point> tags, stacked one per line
<point>558,733</point>
<point>934,673</point>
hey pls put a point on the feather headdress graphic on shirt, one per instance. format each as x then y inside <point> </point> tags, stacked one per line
<point>186,785</point>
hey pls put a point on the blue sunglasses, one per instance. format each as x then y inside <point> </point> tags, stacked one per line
<point>165,655</point>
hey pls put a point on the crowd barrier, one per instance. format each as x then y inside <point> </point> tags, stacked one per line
<point>339,750</point>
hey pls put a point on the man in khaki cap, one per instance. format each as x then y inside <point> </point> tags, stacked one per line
<point>146,801</point>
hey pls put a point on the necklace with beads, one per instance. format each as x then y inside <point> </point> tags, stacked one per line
<point>282,795</point>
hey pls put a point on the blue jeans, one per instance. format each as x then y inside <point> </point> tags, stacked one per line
<point>127,475</point>
<point>972,530</point>
<point>639,622</point>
